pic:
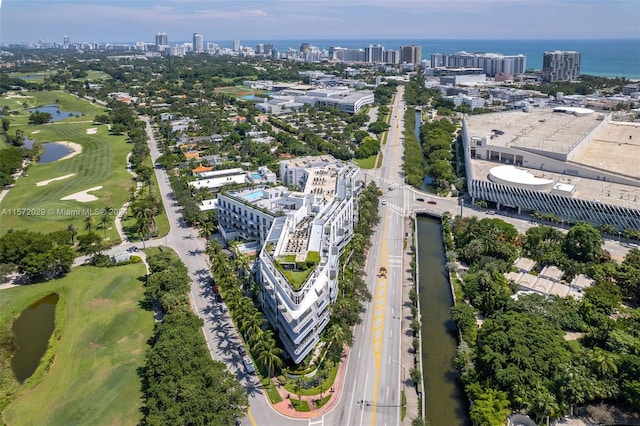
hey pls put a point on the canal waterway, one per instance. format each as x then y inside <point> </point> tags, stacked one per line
<point>445,400</point>
<point>31,331</point>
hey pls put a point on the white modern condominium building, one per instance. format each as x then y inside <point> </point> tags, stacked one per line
<point>300,232</point>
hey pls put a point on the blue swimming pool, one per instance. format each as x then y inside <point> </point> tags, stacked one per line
<point>253,196</point>
<point>256,175</point>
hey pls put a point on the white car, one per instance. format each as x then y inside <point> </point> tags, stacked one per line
<point>384,202</point>
<point>248,365</point>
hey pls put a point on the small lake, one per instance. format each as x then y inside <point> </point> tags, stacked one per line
<point>54,151</point>
<point>55,111</point>
<point>32,77</point>
<point>32,331</point>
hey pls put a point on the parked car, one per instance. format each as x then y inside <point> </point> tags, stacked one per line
<point>248,365</point>
<point>223,307</point>
<point>384,202</point>
<point>216,290</point>
<point>241,350</point>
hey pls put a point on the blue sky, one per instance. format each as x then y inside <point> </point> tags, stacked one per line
<point>218,20</point>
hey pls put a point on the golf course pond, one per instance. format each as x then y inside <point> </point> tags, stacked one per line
<point>31,331</point>
<point>56,112</point>
<point>53,151</point>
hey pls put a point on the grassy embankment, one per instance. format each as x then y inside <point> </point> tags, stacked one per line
<point>101,163</point>
<point>89,373</point>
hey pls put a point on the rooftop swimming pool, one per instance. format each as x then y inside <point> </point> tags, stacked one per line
<point>253,196</point>
<point>256,175</point>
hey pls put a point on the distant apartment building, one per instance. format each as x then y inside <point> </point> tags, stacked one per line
<point>491,63</point>
<point>560,65</point>
<point>411,54</point>
<point>391,57</point>
<point>374,53</point>
<point>236,45</point>
<point>198,43</point>
<point>310,227</point>
<point>347,55</point>
<point>162,42</point>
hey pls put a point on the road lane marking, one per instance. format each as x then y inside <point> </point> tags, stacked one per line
<point>353,395</point>
<point>363,396</point>
<point>251,419</point>
<point>377,330</point>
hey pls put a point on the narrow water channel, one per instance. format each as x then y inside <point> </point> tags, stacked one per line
<point>31,331</point>
<point>445,400</point>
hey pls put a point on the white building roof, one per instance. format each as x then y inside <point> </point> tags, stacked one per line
<point>512,175</point>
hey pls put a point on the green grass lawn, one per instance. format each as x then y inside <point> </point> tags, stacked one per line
<point>239,91</point>
<point>67,102</point>
<point>366,163</point>
<point>302,406</point>
<point>101,163</point>
<point>97,346</point>
<point>271,390</point>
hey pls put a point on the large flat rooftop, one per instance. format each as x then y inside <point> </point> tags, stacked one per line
<point>616,147</point>
<point>540,129</point>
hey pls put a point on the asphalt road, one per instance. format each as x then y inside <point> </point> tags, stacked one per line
<point>371,392</point>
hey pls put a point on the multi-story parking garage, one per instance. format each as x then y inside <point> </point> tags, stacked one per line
<point>570,162</point>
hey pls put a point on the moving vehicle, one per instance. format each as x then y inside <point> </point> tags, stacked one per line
<point>382,273</point>
<point>419,199</point>
<point>241,350</point>
<point>431,202</point>
<point>248,365</point>
<point>384,202</point>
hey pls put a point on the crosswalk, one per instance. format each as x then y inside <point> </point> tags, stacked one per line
<point>390,182</point>
<point>396,208</point>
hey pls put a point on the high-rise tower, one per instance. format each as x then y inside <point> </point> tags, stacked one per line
<point>560,65</point>
<point>198,43</point>
<point>162,42</point>
<point>411,54</point>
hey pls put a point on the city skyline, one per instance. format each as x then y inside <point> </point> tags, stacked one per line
<point>121,21</point>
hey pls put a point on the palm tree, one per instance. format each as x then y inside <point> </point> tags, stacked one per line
<point>73,231</point>
<point>88,223</point>
<point>268,354</point>
<point>142,228</point>
<point>104,221</point>
<point>297,386</point>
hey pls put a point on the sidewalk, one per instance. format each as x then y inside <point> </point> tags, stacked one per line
<point>285,408</point>
<point>407,357</point>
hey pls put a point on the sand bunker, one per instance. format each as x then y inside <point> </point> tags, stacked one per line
<point>92,130</point>
<point>46,182</point>
<point>83,196</point>
<point>35,132</point>
<point>77,149</point>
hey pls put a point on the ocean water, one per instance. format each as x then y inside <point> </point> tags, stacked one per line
<point>605,58</point>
